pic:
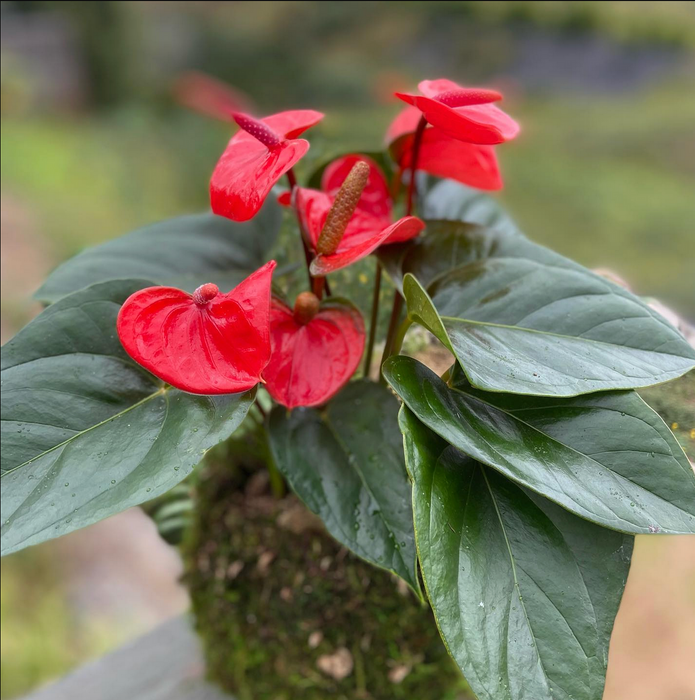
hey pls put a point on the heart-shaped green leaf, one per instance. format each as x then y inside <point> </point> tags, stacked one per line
<point>605,457</point>
<point>524,592</point>
<point>184,252</point>
<point>347,466</point>
<point>444,246</point>
<point>528,321</point>
<point>87,432</point>
<point>455,202</point>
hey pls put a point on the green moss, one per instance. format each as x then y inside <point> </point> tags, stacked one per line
<point>275,598</point>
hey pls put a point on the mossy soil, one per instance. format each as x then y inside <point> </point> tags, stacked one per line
<point>284,612</point>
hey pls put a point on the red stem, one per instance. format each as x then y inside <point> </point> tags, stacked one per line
<point>417,142</point>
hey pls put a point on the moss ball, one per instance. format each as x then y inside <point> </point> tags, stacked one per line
<point>284,612</point>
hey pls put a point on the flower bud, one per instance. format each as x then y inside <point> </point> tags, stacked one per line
<point>306,306</point>
<point>205,293</point>
<point>258,129</point>
<point>343,208</point>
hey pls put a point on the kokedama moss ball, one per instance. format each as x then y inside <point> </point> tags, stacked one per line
<point>285,612</point>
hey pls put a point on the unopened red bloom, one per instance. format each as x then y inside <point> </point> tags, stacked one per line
<point>466,114</point>
<point>257,156</point>
<point>440,155</point>
<point>205,342</point>
<point>316,348</point>
<point>369,226</point>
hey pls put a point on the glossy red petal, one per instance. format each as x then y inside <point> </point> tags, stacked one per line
<point>375,199</point>
<point>285,199</point>
<point>313,207</point>
<point>218,347</point>
<point>351,251</point>
<point>474,96</point>
<point>430,88</point>
<point>405,122</point>
<point>293,123</point>
<point>247,171</point>
<point>483,123</point>
<point>310,363</point>
<point>442,156</point>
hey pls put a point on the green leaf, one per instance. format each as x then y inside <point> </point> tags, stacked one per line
<point>606,457</point>
<point>184,252</point>
<point>526,320</point>
<point>455,202</point>
<point>444,246</point>
<point>524,593</point>
<point>347,466</point>
<point>86,432</point>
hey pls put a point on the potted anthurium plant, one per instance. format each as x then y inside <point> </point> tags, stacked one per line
<point>346,515</point>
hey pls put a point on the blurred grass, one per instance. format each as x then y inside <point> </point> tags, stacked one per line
<point>41,639</point>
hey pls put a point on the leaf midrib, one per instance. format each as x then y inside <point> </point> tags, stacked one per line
<point>358,471</point>
<point>517,586</point>
<point>160,392</point>
<point>521,329</point>
<point>572,449</point>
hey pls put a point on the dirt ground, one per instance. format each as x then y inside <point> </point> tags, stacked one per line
<point>119,568</point>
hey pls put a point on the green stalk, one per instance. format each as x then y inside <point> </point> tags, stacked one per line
<point>374,320</point>
<point>393,325</point>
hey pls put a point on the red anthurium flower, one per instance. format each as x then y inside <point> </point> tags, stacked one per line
<point>205,342</point>
<point>257,156</point>
<point>466,114</point>
<point>364,227</point>
<point>316,349</point>
<point>440,155</point>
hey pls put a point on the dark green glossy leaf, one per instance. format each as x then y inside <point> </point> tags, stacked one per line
<point>86,432</point>
<point>605,457</point>
<point>455,202</point>
<point>347,466</point>
<point>525,593</point>
<point>526,320</point>
<point>443,246</point>
<point>184,252</point>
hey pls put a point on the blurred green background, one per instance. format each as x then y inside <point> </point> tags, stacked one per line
<point>94,145</point>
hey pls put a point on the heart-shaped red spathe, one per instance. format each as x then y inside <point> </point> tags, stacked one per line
<point>205,343</point>
<point>311,362</point>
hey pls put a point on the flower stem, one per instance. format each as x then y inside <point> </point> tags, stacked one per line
<point>393,325</point>
<point>417,142</point>
<point>260,409</point>
<point>277,483</point>
<point>374,320</point>
<point>399,336</point>
<point>292,179</point>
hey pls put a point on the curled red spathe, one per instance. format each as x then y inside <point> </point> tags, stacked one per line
<point>471,117</point>
<point>248,169</point>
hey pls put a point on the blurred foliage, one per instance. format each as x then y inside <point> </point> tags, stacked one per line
<point>41,638</point>
<point>296,52</point>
